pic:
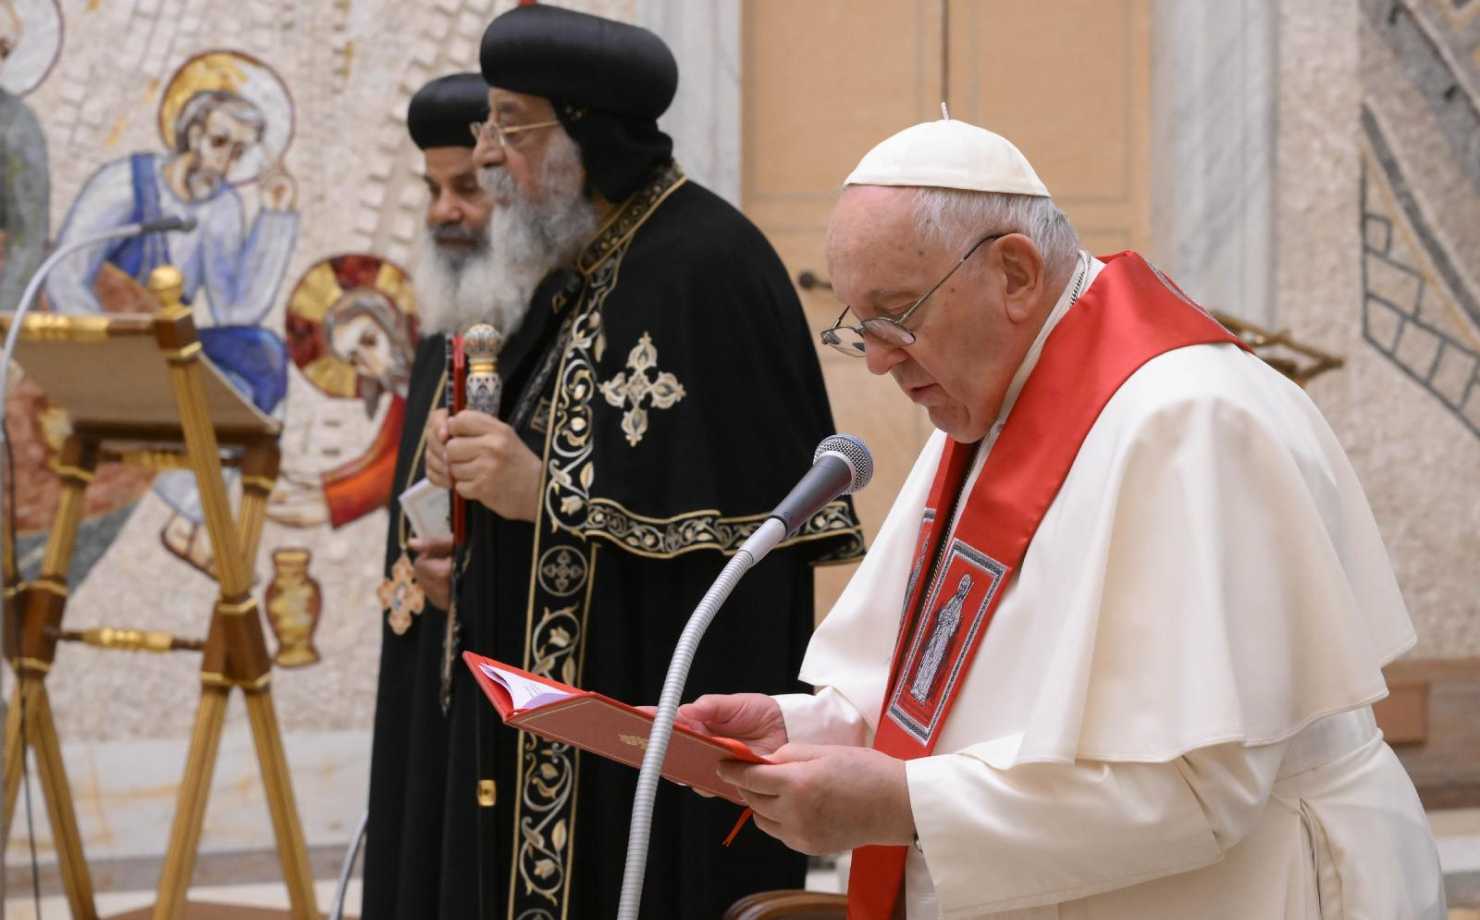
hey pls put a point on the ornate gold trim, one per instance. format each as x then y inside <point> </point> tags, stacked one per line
<point>665,538</point>
<point>256,684</point>
<point>49,586</point>
<point>53,327</point>
<point>261,483</point>
<point>182,355</point>
<point>236,608</point>
<point>575,806</point>
<point>128,640</point>
<point>33,664</point>
<point>216,679</point>
<point>634,212</point>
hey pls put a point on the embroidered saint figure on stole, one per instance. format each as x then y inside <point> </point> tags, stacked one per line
<point>946,623</point>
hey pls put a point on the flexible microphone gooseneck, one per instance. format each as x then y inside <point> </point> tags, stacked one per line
<point>28,297</point>
<point>841,465</point>
<point>163,225</point>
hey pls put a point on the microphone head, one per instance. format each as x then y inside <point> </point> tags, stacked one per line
<point>168,225</point>
<point>851,451</point>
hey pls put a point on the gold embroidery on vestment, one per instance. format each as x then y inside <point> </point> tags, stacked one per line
<point>630,392</point>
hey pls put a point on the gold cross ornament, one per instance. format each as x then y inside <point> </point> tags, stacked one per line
<point>401,595</point>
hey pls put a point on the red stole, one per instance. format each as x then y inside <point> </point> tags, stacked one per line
<point>1131,314</point>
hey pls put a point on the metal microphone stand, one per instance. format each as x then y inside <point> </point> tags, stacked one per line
<point>773,531</point>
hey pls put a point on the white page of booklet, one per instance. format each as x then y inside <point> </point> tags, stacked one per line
<point>523,692</point>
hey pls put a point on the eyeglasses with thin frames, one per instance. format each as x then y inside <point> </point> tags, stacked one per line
<point>888,330</point>
<point>491,131</point>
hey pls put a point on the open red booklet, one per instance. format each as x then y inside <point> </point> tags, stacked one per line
<point>604,726</point>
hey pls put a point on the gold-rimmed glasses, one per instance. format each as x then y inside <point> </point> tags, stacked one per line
<point>492,132</point>
<point>888,330</point>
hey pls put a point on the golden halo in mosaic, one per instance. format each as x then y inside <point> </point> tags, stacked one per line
<point>242,75</point>
<point>345,285</point>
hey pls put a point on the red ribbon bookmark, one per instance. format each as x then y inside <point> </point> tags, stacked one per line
<point>735,831</point>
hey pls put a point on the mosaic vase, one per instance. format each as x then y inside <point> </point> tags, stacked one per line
<point>294,602</point>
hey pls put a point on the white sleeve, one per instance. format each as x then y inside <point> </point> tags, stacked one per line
<point>105,203</point>
<point>824,717</point>
<point>996,840</point>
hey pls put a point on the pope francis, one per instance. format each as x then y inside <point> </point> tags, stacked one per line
<point>1114,650</point>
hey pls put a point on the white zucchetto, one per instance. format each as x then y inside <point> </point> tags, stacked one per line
<point>949,154</point>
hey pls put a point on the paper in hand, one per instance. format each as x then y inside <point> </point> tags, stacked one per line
<point>429,509</point>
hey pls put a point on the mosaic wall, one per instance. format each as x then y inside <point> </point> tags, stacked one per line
<point>1420,131</point>
<point>279,126</point>
<point>1378,247</point>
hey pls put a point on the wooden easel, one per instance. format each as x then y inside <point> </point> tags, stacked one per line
<point>138,389</point>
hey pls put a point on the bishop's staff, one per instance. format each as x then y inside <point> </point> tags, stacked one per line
<point>473,383</point>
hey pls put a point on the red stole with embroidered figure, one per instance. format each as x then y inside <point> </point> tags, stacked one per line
<point>1131,314</point>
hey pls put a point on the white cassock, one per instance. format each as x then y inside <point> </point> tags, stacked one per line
<point>1170,713</point>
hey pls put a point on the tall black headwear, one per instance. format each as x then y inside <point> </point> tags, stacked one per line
<point>609,82</point>
<point>442,111</point>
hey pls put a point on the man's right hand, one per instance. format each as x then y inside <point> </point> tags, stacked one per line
<point>750,717</point>
<point>434,569</point>
<point>436,459</point>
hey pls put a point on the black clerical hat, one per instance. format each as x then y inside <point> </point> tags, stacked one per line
<point>441,111</point>
<point>609,82</point>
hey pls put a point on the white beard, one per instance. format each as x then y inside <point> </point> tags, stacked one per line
<point>532,237</point>
<point>452,287</point>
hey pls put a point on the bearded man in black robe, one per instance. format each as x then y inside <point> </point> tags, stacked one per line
<point>659,395</point>
<point>450,279</point>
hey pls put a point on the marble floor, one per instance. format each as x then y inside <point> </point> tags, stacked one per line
<point>111,903</point>
<point>1457,833</point>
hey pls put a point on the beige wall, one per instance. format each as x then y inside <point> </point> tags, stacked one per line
<point>826,81</point>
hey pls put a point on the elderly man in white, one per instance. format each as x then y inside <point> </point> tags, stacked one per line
<point>1169,602</point>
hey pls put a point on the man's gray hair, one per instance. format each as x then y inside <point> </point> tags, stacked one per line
<point>955,218</point>
<point>199,107</point>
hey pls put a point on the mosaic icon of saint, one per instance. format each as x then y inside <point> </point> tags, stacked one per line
<point>226,120</point>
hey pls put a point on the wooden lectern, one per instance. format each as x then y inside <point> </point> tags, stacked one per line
<point>138,389</point>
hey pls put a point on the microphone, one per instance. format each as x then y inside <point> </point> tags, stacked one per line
<point>168,225</point>
<point>840,466</point>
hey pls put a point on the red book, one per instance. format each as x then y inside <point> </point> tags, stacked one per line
<point>601,725</point>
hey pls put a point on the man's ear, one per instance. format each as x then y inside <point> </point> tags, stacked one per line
<point>1023,276</point>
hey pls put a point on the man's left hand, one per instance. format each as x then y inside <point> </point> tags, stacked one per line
<point>825,798</point>
<point>491,465</point>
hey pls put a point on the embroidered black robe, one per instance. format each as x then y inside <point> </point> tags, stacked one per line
<point>671,386</point>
